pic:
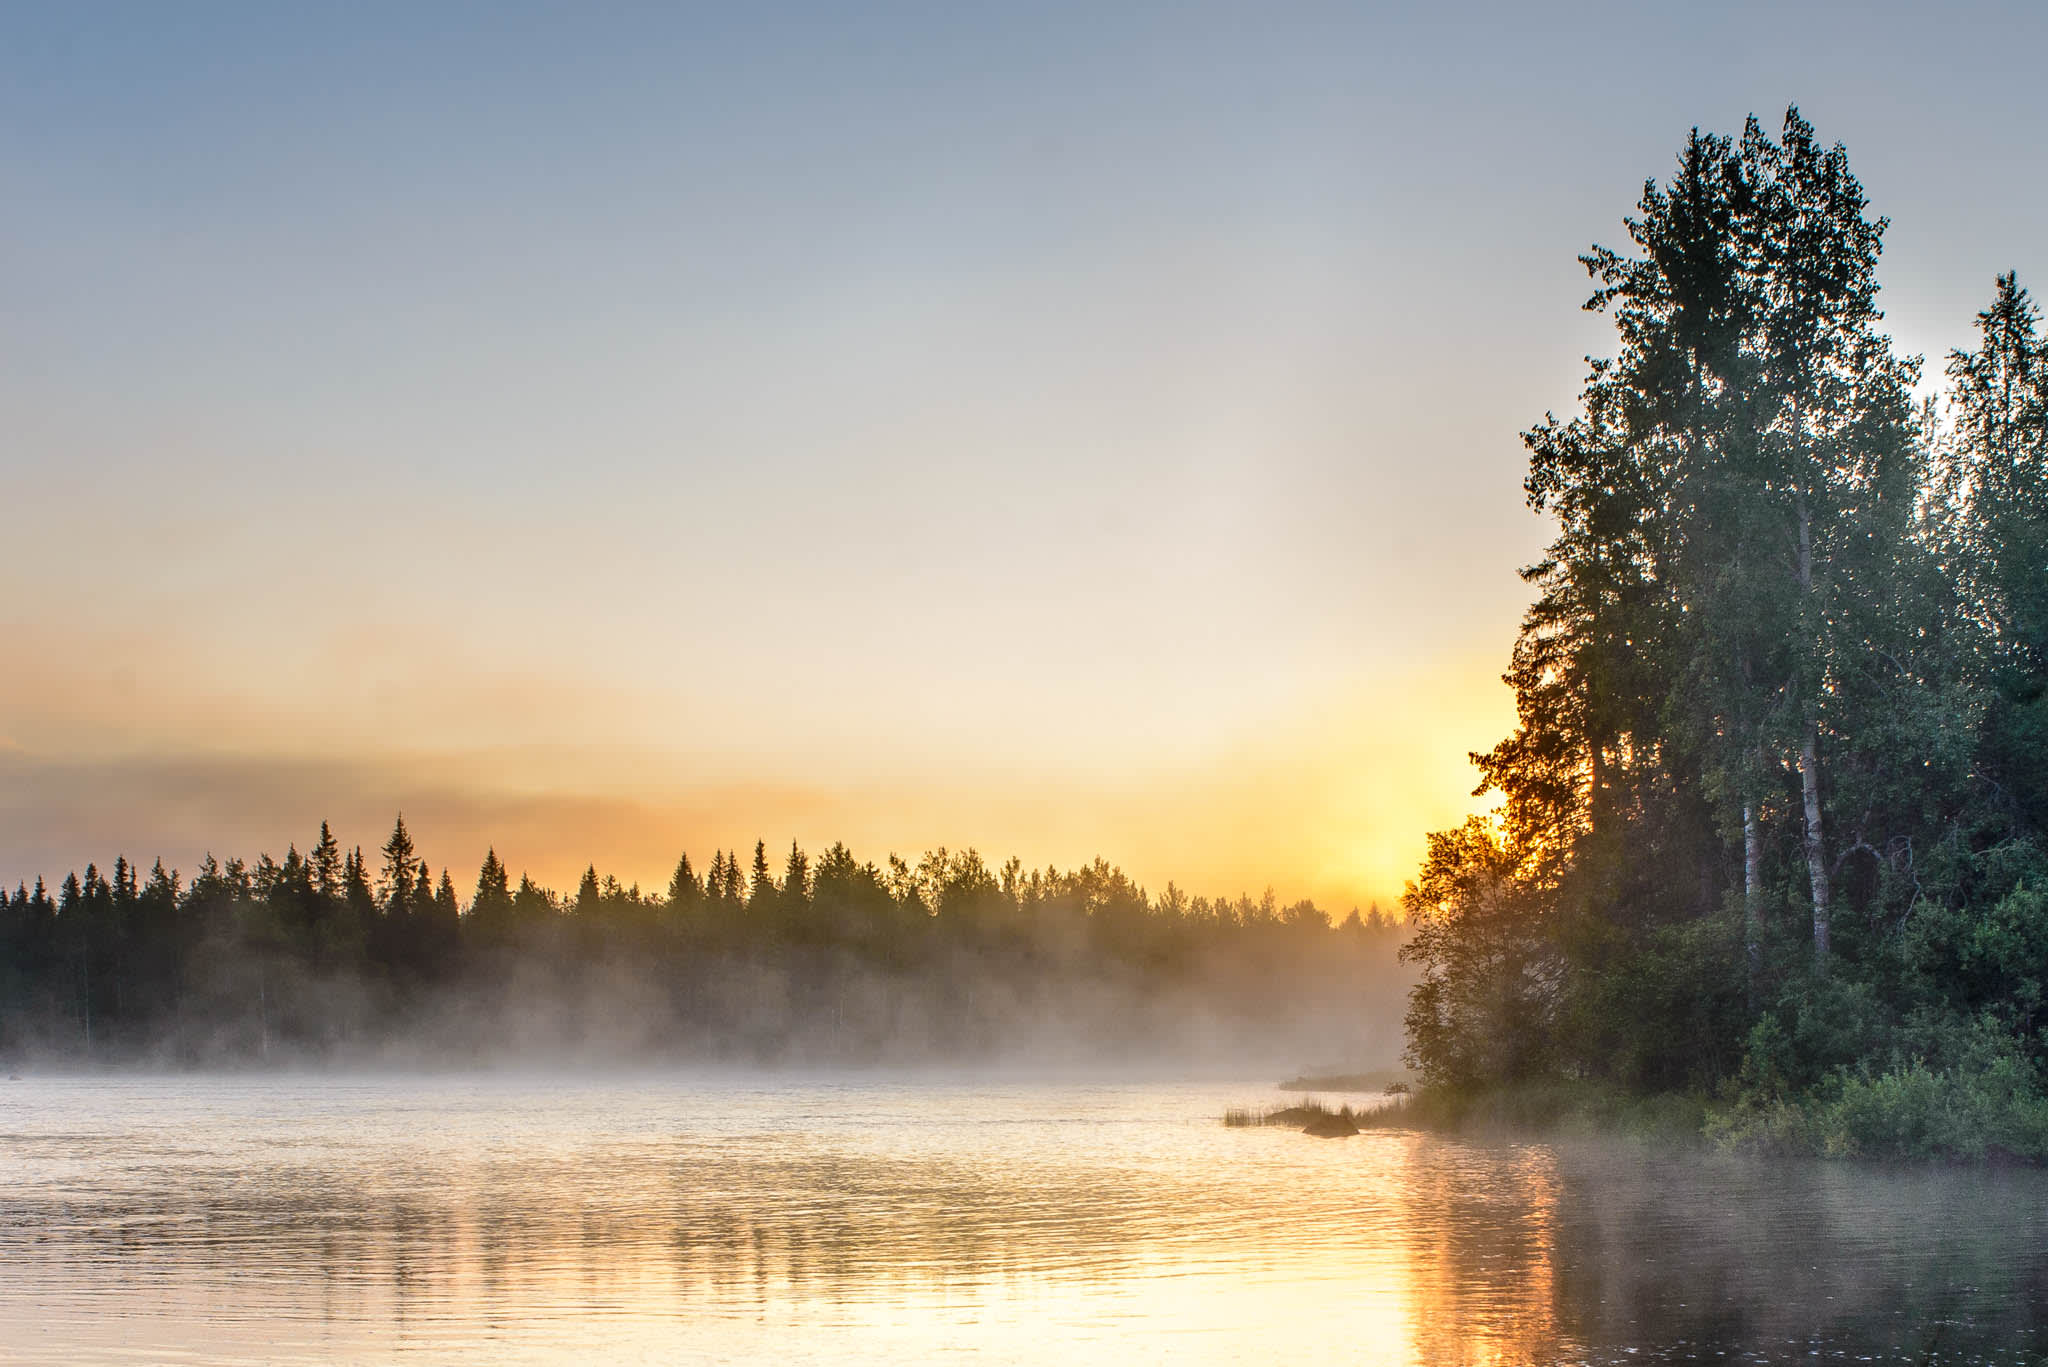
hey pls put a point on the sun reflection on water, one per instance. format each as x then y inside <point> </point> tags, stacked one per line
<point>309,1221</point>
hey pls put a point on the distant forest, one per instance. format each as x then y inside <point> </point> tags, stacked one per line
<point>1774,818</point>
<point>331,955</point>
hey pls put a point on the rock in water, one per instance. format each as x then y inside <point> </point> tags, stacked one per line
<point>1338,1126</point>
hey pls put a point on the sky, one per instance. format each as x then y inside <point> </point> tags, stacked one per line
<point>1060,430</point>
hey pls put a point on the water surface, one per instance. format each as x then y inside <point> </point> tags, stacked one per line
<point>643,1218</point>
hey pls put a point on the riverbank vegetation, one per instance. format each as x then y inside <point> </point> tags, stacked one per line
<point>1311,1117</point>
<point>1773,821</point>
<point>827,959</point>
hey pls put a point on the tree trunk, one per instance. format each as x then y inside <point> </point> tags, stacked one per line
<point>1809,759</point>
<point>1816,855</point>
<point>1752,898</point>
<point>1597,786</point>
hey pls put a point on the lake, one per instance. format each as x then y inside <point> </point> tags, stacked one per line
<point>656,1218</point>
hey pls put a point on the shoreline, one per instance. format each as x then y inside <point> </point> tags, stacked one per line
<point>1813,1126</point>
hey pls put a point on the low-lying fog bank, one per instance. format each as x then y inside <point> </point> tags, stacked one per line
<point>837,965</point>
<point>1216,1016</point>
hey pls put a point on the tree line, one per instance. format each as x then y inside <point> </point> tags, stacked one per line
<point>1771,820</point>
<point>335,953</point>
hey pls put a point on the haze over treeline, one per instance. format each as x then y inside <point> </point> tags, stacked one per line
<point>1774,820</point>
<point>792,960</point>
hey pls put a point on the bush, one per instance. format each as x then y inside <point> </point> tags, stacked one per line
<point>1988,1104</point>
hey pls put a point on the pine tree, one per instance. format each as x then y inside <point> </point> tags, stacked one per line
<point>1997,468</point>
<point>491,907</point>
<point>356,894</point>
<point>532,903</point>
<point>796,883</point>
<point>324,864</point>
<point>684,891</point>
<point>401,875</point>
<point>446,913</point>
<point>761,892</point>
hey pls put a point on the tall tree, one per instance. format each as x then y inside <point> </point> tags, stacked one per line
<point>1741,458</point>
<point>794,897</point>
<point>1728,645</point>
<point>761,891</point>
<point>401,875</point>
<point>491,907</point>
<point>684,891</point>
<point>1997,479</point>
<point>324,864</point>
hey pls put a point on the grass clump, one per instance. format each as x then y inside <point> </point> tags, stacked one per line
<point>1299,1115</point>
<point>1293,1116</point>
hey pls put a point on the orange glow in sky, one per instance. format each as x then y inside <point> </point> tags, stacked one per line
<point>1084,432</point>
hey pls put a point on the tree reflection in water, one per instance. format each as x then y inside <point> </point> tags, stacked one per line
<point>273,1219</point>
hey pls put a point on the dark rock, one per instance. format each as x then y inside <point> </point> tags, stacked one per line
<point>1338,1126</point>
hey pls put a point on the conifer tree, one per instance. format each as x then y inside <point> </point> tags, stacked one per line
<point>684,891</point>
<point>324,863</point>
<point>1997,469</point>
<point>796,883</point>
<point>401,874</point>
<point>356,894</point>
<point>761,893</point>
<point>531,904</point>
<point>491,907</point>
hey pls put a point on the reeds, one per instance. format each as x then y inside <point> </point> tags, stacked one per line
<point>1391,1111</point>
<point>1294,1115</point>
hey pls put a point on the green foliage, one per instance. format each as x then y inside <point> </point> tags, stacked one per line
<point>1663,1011</point>
<point>1774,814</point>
<point>1480,1012</point>
<point>1987,1102</point>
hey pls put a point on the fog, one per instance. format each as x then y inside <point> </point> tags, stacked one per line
<point>933,966</point>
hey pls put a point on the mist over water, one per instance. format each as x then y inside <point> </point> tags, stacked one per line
<point>837,964</point>
<point>473,1218</point>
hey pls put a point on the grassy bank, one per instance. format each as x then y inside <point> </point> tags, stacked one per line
<point>1547,1109</point>
<point>1908,1113</point>
<point>1911,1112</point>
